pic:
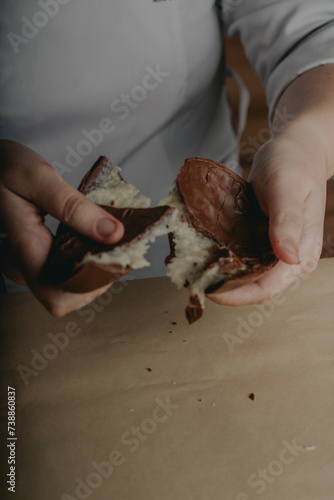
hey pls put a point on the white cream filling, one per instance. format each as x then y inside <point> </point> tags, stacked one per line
<point>192,252</point>
<point>132,255</point>
<point>192,249</point>
<point>113,191</point>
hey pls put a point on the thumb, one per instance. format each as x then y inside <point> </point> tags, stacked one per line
<point>283,201</point>
<point>286,225</point>
<point>61,200</point>
<point>87,218</point>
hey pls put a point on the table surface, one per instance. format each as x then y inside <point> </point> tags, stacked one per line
<point>124,400</point>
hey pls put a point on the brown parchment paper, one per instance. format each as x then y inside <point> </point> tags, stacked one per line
<point>123,400</point>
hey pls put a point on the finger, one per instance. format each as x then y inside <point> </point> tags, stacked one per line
<point>25,256</point>
<point>296,218</point>
<point>283,275</point>
<point>274,282</point>
<point>284,201</point>
<point>44,187</point>
<point>55,300</point>
<point>265,288</point>
<point>59,302</point>
<point>29,241</point>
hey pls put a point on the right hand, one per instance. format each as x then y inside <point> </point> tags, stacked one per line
<point>29,189</point>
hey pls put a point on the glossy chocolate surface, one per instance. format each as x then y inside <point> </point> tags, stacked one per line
<point>70,249</point>
<point>66,265</point>
<point>222,206</point>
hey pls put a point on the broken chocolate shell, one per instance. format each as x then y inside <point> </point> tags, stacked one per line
<point>79,264</point>
<point>222,206</point>
<point>68,258</point>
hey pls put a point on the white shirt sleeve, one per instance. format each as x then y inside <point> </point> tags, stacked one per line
<point>282,38</point>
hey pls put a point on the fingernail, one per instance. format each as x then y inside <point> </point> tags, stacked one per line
<point>105,227</point>
<point>290,247</point>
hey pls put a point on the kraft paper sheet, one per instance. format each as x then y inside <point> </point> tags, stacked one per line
<point>124,400</point>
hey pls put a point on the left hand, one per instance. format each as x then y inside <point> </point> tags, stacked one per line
<point>289,176</point>
<point>289,179</point>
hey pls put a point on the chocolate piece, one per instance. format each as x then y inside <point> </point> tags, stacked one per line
<point>222,206</point>
<point>71,249</point>
<point>69,264</point>
<point>93,177</point>
<point>236,272</point>
<point>240,270</point>
<point>194,310</point>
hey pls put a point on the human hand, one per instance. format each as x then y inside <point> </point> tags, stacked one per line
<point>289,175</point>
<point>29,189</point>
<point>289,179</point>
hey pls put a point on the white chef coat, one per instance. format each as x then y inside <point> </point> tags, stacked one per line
<point>142,81</point>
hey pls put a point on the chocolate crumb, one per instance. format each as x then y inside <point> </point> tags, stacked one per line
<point>199,400</point>
<point>173,323</point>
<point>251,396</point>
<point>149,369</point>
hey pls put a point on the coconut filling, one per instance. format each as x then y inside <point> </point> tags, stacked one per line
<point>132,255</point>
<point>192,249</point>
<point>112,190</point>
<point>192,252</point>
